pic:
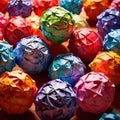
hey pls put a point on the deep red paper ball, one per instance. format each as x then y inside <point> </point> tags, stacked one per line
<point>85,43</point>
<point>16,29</point>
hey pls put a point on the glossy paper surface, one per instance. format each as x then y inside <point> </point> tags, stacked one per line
<point>112,41</point>
<point>32,54</point>
<point>74,6</point>
<point>109,64</point>
<point>108,20</point>
<point>85,43</point>
<point>16,29</point>
<point>56,100</point>
<point>17,91</point>
<point>7,58</point>
<point>67,67</point>
<point>95,92</point>
<point>57,24</point>
<point>20,8</point>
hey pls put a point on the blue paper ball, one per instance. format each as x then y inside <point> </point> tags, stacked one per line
<point>110,116</point>
<point>32,54</point>
<point>7,57</point>
<point>112,41</point>
<point>73,6</point>
<point>56,100</point>
<point>108,20</point>
<point>20,8</point>
<point>67,67</point>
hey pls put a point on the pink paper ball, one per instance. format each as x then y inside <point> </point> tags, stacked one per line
<point>95,92</point>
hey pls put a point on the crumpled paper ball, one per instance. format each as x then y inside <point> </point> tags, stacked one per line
<point>17,92</point>
<point>95,92</point>
<point>67,67</point>
<point>16,29</point>
<point>112,41</point>
<point>110,116</point>
<point>56,100</point>
<point>107,63</point>
<point>20,8</point>
<point>80,22</point>
<point>115,4</point>
<point>74,6</point>
<point>85,43</point>
<point>7,58</point>
<point>4,5</point>
<point>32,54</point>
<point>108,20</point>
<point>39,6</point>
<point>57,24</point>
<point>93,8</point>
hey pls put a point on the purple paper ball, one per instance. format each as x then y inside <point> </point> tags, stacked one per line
<point>20,8</point>
<point>32,54</point>
<point>56,100</point>
<point>108,20</point>
<point>67,67</point>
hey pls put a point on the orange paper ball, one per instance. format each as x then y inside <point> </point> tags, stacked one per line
<point>17,92</point>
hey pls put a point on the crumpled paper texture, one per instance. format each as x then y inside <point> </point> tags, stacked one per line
<point>112,41</point>
<point>74,6</point>
<point>32,54</point>
<point>7,58</point>
<point>20,8</point>
<point>16,29</point>
<point>95,92</point>
<point>107,63</point>
<point>115,4</point>
<point>57,24</point>
<point>3,24</point>
<point>17,92</point>
<point>80,22</point>
<point>110,116</point>
<point>56,100</point>
<point>39,6</point>
<point>108,20</point>
<point>67,67</point>
<point>93,8</point>
<point>85,43</point>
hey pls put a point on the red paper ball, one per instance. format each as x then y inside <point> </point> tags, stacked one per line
<point>16,29</point>
<point>85,43</point>
<point>4,5</point>
<point>40,6</point>
<point>115,4</point>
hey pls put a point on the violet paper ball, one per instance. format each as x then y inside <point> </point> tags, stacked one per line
<point>67,67</point>
<point>56,100</point>
<point>7,57</point>
<point>57,24</point>
<point>20,8</point>
<point>32,54</point>
<point>108,20</point>
<point>74,6</point>
<point>95,92</point>
<point>85,43</point>
<point>112,41</point>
